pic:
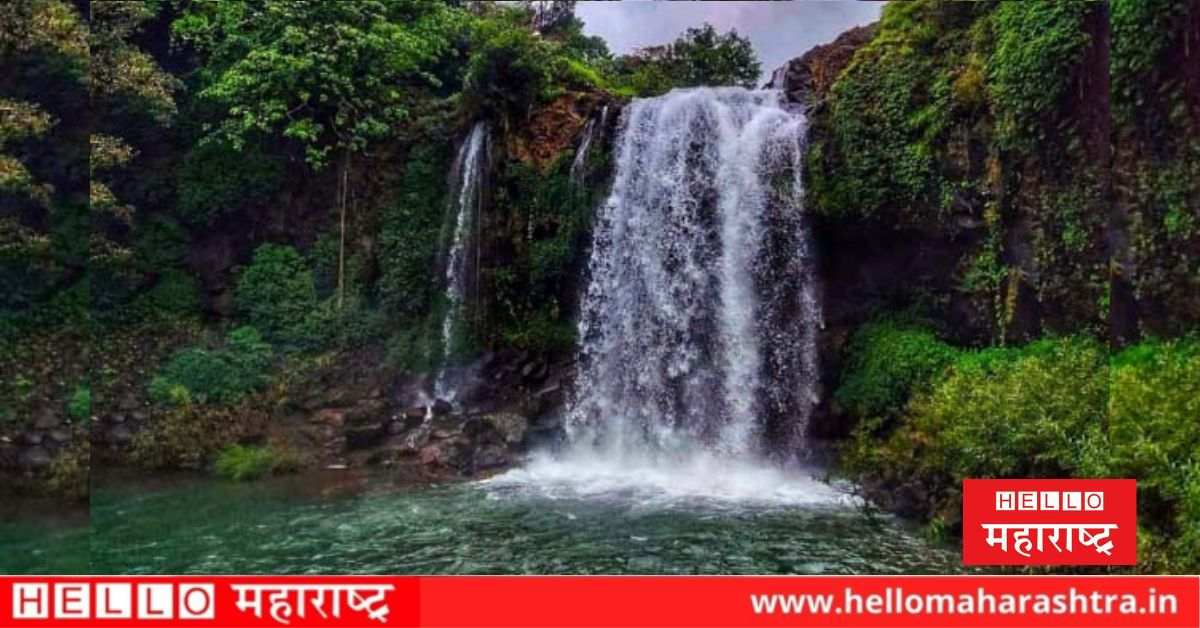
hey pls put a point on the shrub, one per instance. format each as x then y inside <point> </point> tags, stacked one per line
<point>277,294</point>
<point>1153,434</point>
<point>79,407</point>
<point>217,376</point>
<point>887,362</point>
<point>996,412</point>
<point>174,294</point>
<point>242,463</point>
<point>1002,412</point>
<point>217,179</point>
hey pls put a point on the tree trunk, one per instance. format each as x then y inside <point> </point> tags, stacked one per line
<point>341,285</point>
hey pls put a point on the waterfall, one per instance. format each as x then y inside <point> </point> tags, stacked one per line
<point>579,166</point>
<point>699,326</point>
<point>590,129</point>
<point>466,204</point>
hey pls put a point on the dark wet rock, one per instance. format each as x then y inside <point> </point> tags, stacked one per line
<point>442,407</point>
<point>59,436</point>
<point>331,416</point>
<point>34,459</point>
<point>47,419</point>
<point>364,436</point>
<point>366,411</point>
<point>511,426</point>
<point>32,438</point>
<point>415,412</point>
<point>120,435</point>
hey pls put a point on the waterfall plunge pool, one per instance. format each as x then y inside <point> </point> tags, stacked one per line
<point>534,520</point>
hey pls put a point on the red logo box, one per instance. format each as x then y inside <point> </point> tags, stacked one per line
<point>1049,522</point>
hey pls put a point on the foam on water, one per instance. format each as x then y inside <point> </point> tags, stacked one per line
<point>700,478</point>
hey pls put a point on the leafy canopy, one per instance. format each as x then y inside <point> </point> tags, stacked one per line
<point>332,76</point>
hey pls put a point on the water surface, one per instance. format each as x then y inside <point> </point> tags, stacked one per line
<point>523,522</point>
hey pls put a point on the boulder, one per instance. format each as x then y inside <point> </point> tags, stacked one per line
<point>441,407</point>
<point>34,458</point>
<point>510,425</point>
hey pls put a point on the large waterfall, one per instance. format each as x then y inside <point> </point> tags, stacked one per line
<point>698,331</point>
<point>466,181</point>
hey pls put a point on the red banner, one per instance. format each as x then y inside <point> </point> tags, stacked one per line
<point>545,601</point>
<point>1050,522</point>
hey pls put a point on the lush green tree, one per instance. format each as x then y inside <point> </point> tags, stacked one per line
<point>700,56</point>
<point>332,77</point>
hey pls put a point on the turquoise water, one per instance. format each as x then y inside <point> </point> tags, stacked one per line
<point>527,521</point>
<point>38,539</point>
<point>342,524</point>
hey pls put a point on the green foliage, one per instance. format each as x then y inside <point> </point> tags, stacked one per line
<point>973,120</point>
<point>1039,45</point>
<point>552,216</point>
<point>79,406</point>
<point>214,376</point>
<point>325,75</point>
<point>511,69</point>
<point>1143,31</point>
<point>886,363</point>
<point>242,463</point>
<point>411,233</point>
<point>700,56</point>
<point>1001,412</point>
<point>277,295</point>
<point>217,179</point>
<point>1152,433</point>
<point>175,293</point>
<point>416,349</point>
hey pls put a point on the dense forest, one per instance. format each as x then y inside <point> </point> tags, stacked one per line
<point>224,230</point>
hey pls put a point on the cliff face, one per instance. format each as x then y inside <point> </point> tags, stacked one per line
<point>808,78</point>
<point>1155,216</point>
<point>950,185</point>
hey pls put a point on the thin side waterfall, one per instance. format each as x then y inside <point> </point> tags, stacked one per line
<point>698,330</point>
<point>699,324</point>
<point>466,186</point>
<point>579,166</point>
<point>590,129</point>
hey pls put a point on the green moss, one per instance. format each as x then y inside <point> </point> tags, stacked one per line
<point>242,463</point>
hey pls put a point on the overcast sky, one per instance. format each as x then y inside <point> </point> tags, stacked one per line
<point>779,30</point>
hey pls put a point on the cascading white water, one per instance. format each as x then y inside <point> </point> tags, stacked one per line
<point>590,128</point>
<point>579,166</point>
<point>466,205</point>
<point>698,331</point>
